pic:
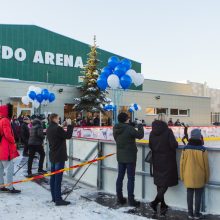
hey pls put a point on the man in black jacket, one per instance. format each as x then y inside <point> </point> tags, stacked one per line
<point>25,135</point>
<point>125,136</point>
<point>58,155</point>
<point>35,145</point>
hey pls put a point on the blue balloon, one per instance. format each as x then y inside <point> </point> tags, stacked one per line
<point>102,82</point>
<point>51,97</point>
<point>125,81</point>
<point>135,107</point>
<point>113,62</point>
<point>32,95</point>
<point>40,98</point>
<point>130,110</point>
<point>106,71</point>
<point>120,70</point>
<point>45,94</point>
<point>127,64</point>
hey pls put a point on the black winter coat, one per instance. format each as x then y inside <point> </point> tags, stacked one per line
<point>163,144</point>
<point>125,136</point>
<point>25,133</point>
<point>57,142</point>
<point>36,134</point>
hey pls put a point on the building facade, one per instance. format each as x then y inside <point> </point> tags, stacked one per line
<point>30,55</point>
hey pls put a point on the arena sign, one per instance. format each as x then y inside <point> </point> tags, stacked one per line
<point>58,59</point>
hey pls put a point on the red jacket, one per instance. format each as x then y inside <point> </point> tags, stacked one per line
<point>8,149</point>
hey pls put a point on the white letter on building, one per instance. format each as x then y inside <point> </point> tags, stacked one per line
<point>20,54</point>
<point>38,58</point>
<point>59,59</point>
<point>78,62</point>
<point>7,52</point>
<point>49,58</point>
<point>68,60</point>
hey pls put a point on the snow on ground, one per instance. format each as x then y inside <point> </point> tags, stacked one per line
<point>34,203</point>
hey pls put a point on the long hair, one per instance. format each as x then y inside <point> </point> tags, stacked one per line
<point>162,117</point>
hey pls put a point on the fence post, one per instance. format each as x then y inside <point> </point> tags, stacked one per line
<point>71,156</point>
<point>99,166</point>
<point>143,170</point>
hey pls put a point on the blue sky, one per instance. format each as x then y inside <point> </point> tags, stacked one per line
<point>175,40</point>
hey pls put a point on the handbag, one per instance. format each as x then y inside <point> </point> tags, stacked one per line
<point>149,159</point>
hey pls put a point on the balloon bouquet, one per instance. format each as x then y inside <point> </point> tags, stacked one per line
<point>38,96</point>
<point>134,107</point>
<point>110,107</point>
<point>119,75</point>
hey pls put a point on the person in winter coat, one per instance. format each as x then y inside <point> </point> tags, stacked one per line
<point>57,137</point>
<point>25,133</point>
<point>16,128</point>
<point>125,136</point>
<point>194,171</point>
<point>163,144</point>
<point>35,145</point>
<point>185,137</point>
<point>8,149</point>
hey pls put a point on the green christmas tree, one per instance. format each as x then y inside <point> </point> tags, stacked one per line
<point>92,98</point>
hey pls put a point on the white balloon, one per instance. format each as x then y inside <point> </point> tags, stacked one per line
<point>139,108</point>
<point>132,74</point>
<point>36,104</point>
<point>37,90</point>
<point>113,81</point>
<point>25,100</point>
<point>139,79</point>
<point>31,88</point>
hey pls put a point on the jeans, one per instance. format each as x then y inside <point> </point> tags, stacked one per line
<point>198,197</point>
<point>6,167</point>
<point>122,167</point>
<point>56,180</point>
<point>32,151</point>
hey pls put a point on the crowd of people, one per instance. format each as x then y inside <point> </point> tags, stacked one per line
<point>30,130</point>
<point>194,166</point>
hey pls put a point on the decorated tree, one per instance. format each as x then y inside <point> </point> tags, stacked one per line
<point>92,97</point>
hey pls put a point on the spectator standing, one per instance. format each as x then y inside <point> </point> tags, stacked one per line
<point>163,144</point>
<point>96,121</point>
<point>16,128</point>
<point>170,122</point>
<point>58,155</point>
<point>8,149</point>
<point>177,123</point>
<point>185,137</point>
<point>125,136</point>
<point>35,145</point>
<point>194,172</point>
<point>25,133</point>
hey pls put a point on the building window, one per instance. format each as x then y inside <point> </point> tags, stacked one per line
<point>161,110</point>
<point>156,111</point>
<point>183,112</point>
<point>179,112</point>
<point>173,111</point>
<point>150,111</point>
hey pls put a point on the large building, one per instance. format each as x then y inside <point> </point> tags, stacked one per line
<point>30,55</point>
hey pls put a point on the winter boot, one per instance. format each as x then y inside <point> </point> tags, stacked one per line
<point>154,204</point>
<point>14,191</point>
<point>199,216</point>
<point>163,208</point>
<point>133,202</point>
<point>4,189</point>
<point>42,171</point>
<point>121,200</point>
<point>62,203</point>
